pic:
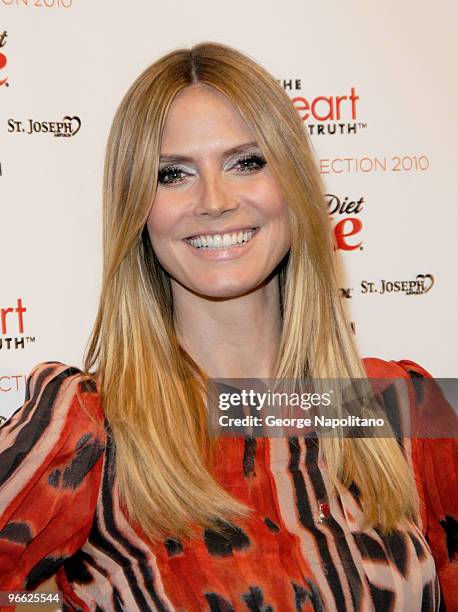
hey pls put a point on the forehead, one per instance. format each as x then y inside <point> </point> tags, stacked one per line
<point>202,115</point>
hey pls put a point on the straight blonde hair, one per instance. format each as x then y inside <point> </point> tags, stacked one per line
<point>151,390</point>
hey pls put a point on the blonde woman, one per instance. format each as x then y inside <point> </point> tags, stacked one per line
<point>218,262</point>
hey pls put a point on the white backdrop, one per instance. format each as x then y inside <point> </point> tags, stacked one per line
<point>392,149</point>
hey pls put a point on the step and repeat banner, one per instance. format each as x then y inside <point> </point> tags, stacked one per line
<point>375,86</point>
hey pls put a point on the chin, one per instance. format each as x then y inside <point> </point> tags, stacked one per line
<point>224,289</point>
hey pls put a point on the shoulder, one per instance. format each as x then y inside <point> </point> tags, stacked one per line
<point>407,385</point>
<point>57,373</point>
<point>404,368</point>
<point>54,391</point>
<point>403,374</point>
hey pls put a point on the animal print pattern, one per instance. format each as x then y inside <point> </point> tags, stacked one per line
<point>60,514</point>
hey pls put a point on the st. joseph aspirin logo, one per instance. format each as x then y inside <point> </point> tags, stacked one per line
<point>66,127</point>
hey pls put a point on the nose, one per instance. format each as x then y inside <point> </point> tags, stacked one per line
<point>216,196</point>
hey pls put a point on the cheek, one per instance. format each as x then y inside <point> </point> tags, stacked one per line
<point>162,219</point>
<point>271,202</point>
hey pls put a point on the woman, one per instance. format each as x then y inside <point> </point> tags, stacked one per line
<point>218,262</point>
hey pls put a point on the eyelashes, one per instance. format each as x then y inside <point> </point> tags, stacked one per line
<point>256,158</point>
<point>254,162</point>
<point>163,175</point>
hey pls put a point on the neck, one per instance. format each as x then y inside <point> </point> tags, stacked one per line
<point>233,338</point>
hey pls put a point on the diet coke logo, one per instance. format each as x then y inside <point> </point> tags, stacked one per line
<point>348,225</point>
<point>3,60</point>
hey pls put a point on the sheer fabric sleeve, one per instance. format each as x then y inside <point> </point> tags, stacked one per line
<point>51,453</point>
<point>436,465</point>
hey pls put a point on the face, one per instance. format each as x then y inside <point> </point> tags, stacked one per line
<point>219,224</point>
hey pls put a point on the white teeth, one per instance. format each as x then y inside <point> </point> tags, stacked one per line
<point>221,240</point>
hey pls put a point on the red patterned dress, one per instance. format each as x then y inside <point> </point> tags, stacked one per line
<point>60,514</point>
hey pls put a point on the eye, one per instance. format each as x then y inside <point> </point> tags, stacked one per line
<point>170,175</point>
<point>250,162</point>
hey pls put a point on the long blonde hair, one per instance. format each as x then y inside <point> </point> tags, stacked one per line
<point>149,387</point>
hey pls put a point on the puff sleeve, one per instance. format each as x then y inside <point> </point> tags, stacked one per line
<point>51,453</point>
<point>435,461</point>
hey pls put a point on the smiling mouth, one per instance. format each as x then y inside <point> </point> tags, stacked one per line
<point>222,241</point>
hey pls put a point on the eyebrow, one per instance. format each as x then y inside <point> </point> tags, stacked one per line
<point>184,158</point>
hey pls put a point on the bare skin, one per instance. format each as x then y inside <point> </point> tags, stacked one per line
<point>227,309</point>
